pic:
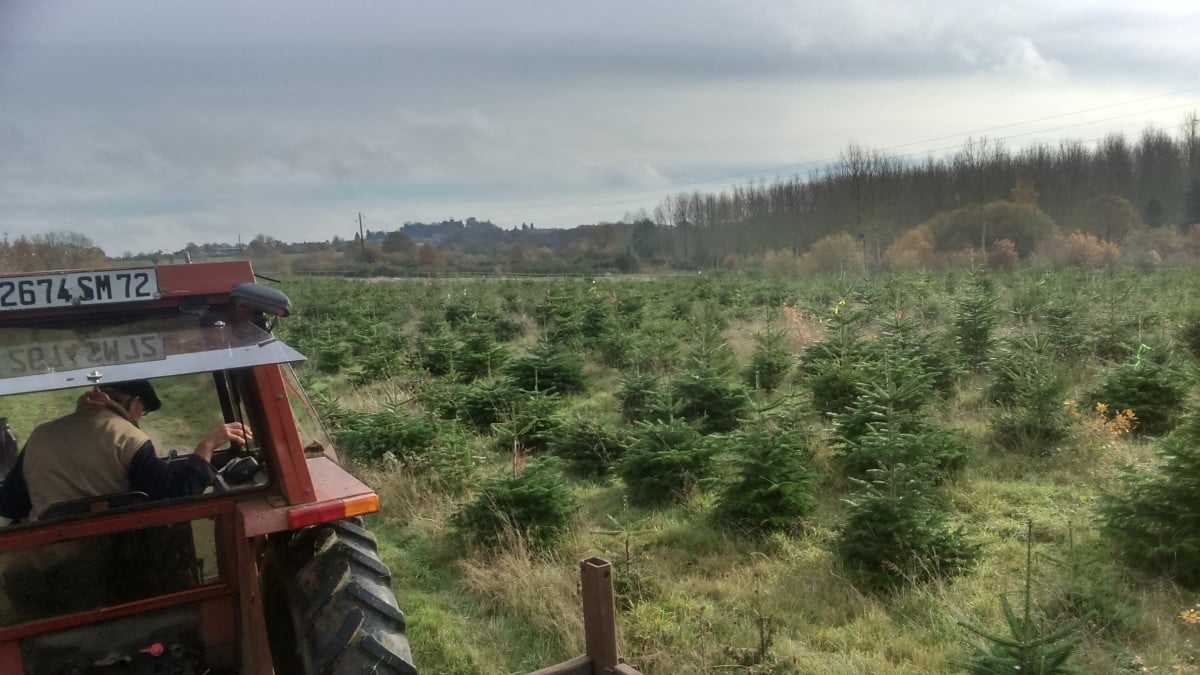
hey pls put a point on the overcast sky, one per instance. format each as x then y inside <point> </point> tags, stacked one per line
<point>146,125</point>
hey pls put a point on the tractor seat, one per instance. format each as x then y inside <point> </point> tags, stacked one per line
<point>86,505</point>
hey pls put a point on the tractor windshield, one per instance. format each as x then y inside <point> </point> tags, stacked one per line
<point>195,363</point>
<point>192,406</point>
<point>41,358</point>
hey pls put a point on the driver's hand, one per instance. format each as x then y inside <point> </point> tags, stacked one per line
<point>234,432</point>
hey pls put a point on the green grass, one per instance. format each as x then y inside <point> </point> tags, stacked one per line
<point>694,597</point>
<point>26,411</point>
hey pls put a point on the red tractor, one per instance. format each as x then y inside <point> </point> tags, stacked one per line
<point>268,570</point>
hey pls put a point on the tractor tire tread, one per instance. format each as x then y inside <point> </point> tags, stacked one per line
<point>344,612</point>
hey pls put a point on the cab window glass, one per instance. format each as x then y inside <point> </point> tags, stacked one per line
<point>109,569</point>
<point>313,435</point>
<point>190,410</point>
<point>36,359</point>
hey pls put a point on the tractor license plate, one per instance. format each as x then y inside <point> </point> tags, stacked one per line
<point>52,357</point>
<point>42,291</point>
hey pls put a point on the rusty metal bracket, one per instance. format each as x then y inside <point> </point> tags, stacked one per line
<point>599,626</point>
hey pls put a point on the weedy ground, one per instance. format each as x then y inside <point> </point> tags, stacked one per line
<point>695,595</point>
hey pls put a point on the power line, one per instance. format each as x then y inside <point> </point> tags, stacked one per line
<point>943,149</point>
<point>1048,117</point>
<point>1077,124</point>
<point>732,180</point>
<point>917,153</point>
<point>813,173</point>
<point>958,135</point>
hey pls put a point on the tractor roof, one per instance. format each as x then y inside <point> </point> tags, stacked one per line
<point>115,325</point>
<point>65,295</point>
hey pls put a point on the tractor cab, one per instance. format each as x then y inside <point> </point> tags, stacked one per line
<point>234,577</point>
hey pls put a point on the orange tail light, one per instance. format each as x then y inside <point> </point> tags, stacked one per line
<point>337,509</point>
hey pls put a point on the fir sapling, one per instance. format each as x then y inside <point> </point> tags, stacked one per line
<point>529,425</point>
<point>895,533</point>
<point>478,354</point>
<point>770,361</point>
<point>775,483</point>
<point>1030,646</point>
<point>549,367</point>
<point>975,320</point>
<point>536,505</point>
<point>640,397</point>
<point>1152,386</point>
<point>592,447</point>
<point>666,461</point>
<point>1154,519</point>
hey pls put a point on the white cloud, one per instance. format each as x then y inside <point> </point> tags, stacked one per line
<point>1014,57</point>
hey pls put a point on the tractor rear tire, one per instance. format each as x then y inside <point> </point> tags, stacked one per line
<point>337,595</point>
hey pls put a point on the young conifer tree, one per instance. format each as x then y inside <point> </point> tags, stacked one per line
<point>770,362</point>
<point>833,368</point>
<point>774,488</point>
<point>666,460</point>
<point>1152,386</point>
<point>537,504</point>
<point>549,367</point>
<point>640,397</point>
<point>896,534</point>
<point>592,446</point>
<point>1030,647</point>
<point>706,390</point>
<point>1155,520</point>
<point>975,319</point>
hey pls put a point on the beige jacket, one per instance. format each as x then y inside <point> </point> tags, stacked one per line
<point>84,454</point>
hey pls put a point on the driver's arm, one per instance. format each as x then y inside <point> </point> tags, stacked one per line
<point>160,480</point>
<point>186,477</point>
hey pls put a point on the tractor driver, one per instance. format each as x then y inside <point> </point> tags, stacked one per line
<point>99,449</point>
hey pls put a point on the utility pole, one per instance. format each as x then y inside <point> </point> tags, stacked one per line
<point>362,239</point>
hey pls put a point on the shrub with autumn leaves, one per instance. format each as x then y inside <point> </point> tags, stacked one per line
<point>1078,249</point>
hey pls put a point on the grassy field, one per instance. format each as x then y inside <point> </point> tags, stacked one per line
<point>408,373</point>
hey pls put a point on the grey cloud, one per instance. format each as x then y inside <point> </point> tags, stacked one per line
<point>425,44</point>
<point>662,39</point>
<point>211,115</point>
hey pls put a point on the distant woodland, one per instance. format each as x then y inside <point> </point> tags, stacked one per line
<point>1113,201</point>
<point>1143,194</point>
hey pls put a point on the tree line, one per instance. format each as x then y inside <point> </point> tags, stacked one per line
<point>49,251</point>
<point>876,197</point>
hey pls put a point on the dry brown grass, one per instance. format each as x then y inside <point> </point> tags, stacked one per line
<point>370,396</point>
<point>802,329</point>
<point>405,500</point>
<point>740,337</point>
<point>542,591</point>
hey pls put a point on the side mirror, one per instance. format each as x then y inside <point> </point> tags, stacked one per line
<point>262,299</point>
